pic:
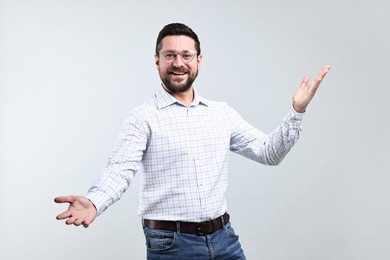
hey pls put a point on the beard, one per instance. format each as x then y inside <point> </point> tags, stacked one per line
<point>178,87</point>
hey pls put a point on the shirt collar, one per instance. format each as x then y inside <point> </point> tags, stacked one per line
<point>164,99</point>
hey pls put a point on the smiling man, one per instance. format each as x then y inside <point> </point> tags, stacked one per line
<point>180,143</point>
<point>176,74</point>
<point>178,60</point>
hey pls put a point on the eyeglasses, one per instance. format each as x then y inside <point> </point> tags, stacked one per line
<point>186,56</point>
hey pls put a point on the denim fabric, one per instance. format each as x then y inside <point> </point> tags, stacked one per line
<point>222,244</point>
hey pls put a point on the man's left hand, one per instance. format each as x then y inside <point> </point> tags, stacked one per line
<point>307,90</point>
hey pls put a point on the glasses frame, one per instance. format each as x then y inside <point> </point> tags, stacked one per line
<point>175,53</point>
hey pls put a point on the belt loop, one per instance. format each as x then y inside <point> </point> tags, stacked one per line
<point>222,221</point>
<point>178,227</point>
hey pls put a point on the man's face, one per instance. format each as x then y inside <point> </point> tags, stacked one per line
<point>177,75</point>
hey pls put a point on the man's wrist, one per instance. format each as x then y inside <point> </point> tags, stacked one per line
<point>299,109</point>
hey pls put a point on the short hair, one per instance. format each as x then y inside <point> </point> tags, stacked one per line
<point>177,29</point>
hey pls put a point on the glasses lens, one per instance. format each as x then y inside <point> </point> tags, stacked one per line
<point>169,55</point>
<point>187,55</point>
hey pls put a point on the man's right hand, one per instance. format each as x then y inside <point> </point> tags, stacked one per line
<point>81,210</point>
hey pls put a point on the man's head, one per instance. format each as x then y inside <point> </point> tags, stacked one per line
<point>177,57</point>
<point>177,29</point>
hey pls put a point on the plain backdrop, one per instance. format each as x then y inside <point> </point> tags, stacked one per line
<point>71,70</point>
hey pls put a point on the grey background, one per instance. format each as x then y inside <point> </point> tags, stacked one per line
<point>70,71</point>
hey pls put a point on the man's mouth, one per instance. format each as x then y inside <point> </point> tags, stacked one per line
<point>178,73</point>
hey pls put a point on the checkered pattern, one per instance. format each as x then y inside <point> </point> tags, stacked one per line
<point>181,154</point>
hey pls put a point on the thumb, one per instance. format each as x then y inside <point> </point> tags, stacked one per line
<point>64,199</point>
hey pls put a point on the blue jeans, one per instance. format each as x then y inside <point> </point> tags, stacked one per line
<point>222,244</point>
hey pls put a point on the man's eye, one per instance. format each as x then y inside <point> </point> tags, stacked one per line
<point>186,56</point>
<point>169,55</point>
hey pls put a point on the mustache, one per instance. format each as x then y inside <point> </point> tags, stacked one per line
<point>176,69</point>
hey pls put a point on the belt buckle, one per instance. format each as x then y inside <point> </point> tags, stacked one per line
<point>200,231</point>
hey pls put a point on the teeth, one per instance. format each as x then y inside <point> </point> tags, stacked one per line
<point>178,72</point>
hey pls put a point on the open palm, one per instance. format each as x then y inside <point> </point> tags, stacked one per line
<point>81,210</point>
<point>307,90</point>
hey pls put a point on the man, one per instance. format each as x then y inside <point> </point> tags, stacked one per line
<point>180,142</point>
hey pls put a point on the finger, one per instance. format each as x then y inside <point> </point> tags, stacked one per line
<point>64,215</point>
<point>321,74</point>
<point>304,82</point>
<point>64,199</point>
<point>327,68</point>
<point>85,224</point>
<point>78,222</point>
<point>318,79</point>
<point>70,220</point>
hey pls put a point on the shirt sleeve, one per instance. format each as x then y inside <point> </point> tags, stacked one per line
<point>268,149</point>
<point>122,166</point>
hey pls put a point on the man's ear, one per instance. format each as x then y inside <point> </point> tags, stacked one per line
<point>200,58</point>
<point>156,61</point>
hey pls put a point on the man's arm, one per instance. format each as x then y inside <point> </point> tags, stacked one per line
<point>272,148</point>
<point>113,181</point>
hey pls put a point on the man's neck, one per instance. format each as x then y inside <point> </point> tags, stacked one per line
<point>185,97</point>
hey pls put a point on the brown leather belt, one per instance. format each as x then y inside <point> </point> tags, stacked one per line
<point>199,228</point>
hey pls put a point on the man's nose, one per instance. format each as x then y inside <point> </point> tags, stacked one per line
<point>178,61</point>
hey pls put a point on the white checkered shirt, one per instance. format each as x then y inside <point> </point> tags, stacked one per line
<point>181,154</point>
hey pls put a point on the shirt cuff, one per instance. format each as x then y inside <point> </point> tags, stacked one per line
<point>295,112</point>
<point>97,201</point>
